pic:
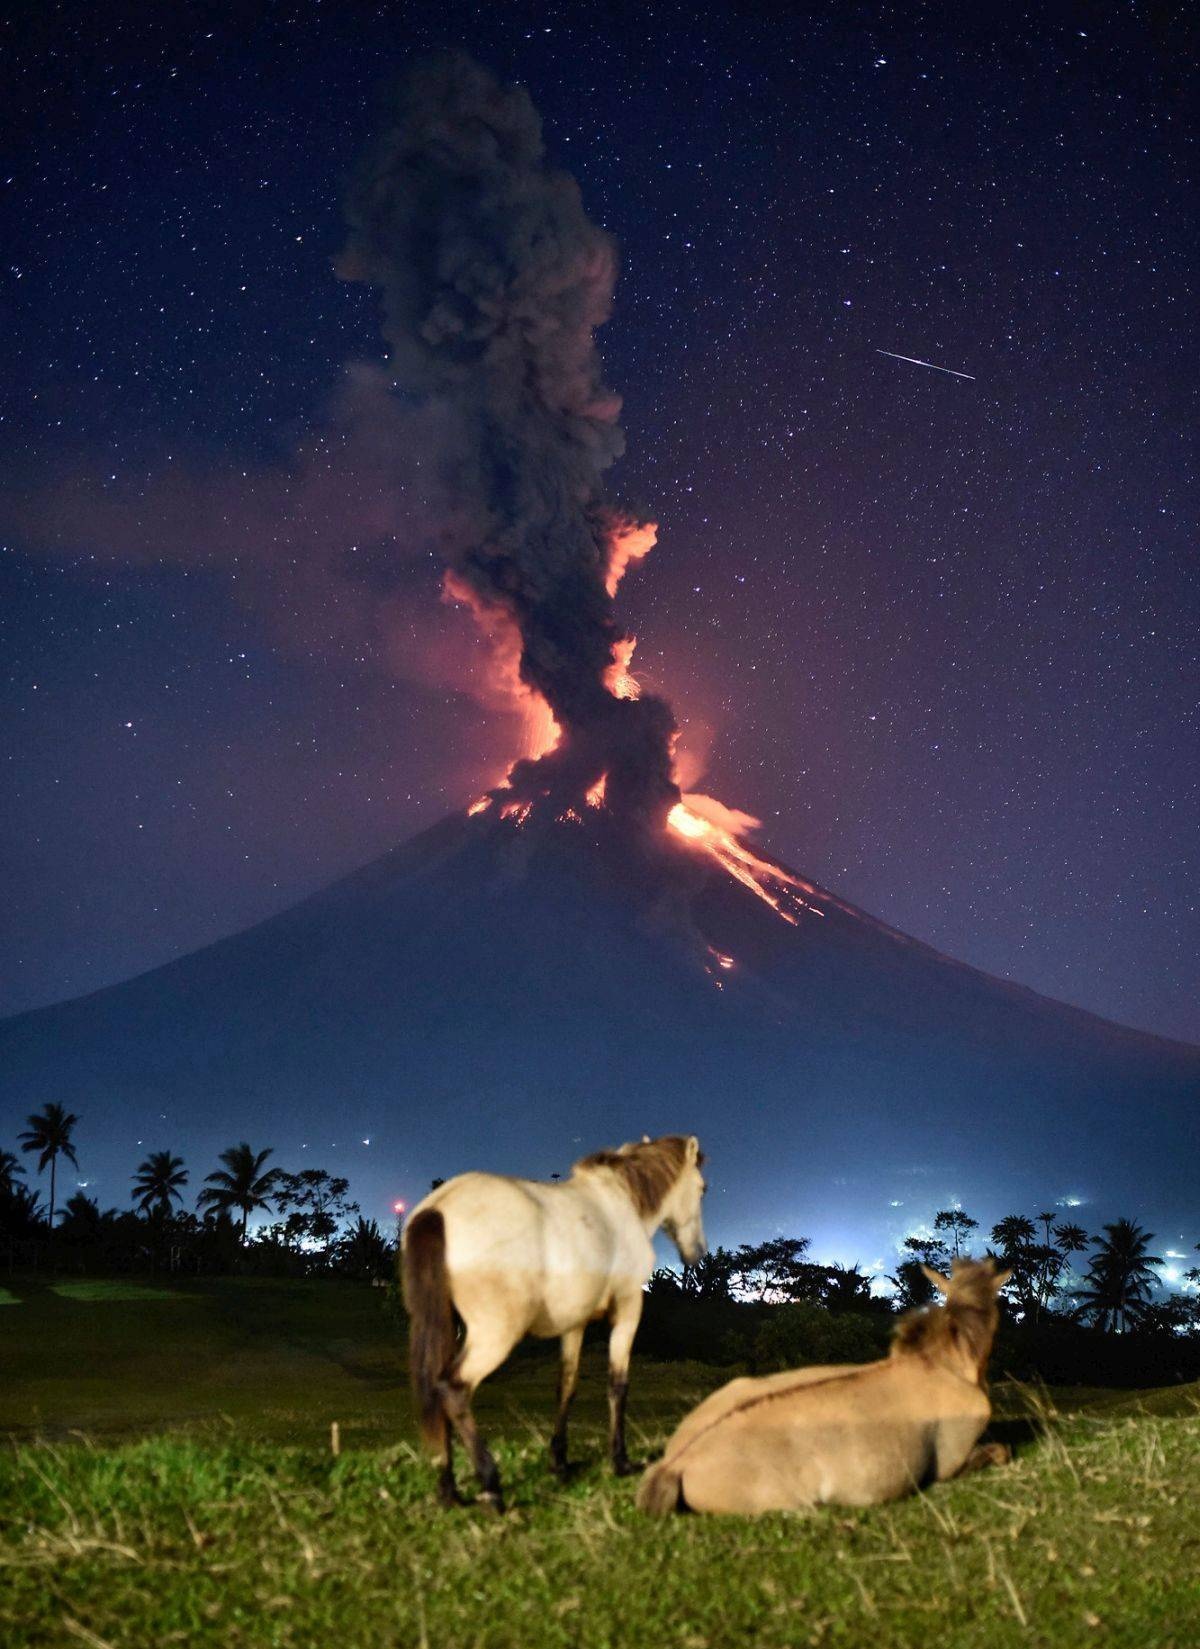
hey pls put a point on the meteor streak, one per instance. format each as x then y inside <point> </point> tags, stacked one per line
<point>913,361</point>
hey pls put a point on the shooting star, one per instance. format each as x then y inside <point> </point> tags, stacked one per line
<point>913,361</point>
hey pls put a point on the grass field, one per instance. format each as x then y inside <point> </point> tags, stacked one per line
<point>169,1480</point>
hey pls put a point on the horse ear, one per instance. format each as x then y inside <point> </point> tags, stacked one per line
<point>936,1278</point>
<point>999,1280</point>
<point>693,1148</point>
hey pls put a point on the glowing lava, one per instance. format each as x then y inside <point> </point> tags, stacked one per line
<point>701,821</point>
<point>715,829</point>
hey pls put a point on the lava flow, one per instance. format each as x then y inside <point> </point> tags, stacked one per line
<point>697,819</point>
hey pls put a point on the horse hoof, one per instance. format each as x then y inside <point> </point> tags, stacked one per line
<point>566,1470</point>
<point>492,1500</point>
<point>628,1468</point>
<point>448,1496</point>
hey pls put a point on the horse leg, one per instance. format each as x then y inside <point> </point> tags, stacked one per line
<point>447,1487</point>
<point>984,1455</point>
<point>620,1346</point>
<point>477,1359</point>
<point>568,1379</point>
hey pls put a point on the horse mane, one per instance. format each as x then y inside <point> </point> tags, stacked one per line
<point>967,1317</point>
<point>647,1169</point>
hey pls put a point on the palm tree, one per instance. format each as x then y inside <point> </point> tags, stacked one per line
<point>49,1134</point>
<point>846,1288</point>
<point>1120,1277</point>
<point>157,1182</point>
<point>1070,1239</point>
<point>1013,1232</point>
<point>20,1215</point>
<point>240,1184</point>
<point>10,1167</point>
<point>364,1251</point>
<point>1016,1235</point>
<point>1049,1260</point>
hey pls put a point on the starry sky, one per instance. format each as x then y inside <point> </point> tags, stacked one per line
<point>938,632</point>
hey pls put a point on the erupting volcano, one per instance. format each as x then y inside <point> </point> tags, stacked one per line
<point>494,282</point>
<point>585,952</point>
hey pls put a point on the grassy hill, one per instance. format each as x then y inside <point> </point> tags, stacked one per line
<point>169,1479</point>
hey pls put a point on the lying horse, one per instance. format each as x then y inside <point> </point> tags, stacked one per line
<point>853,1435</point>
<point>515,1257</point>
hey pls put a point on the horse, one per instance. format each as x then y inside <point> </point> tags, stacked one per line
<point>850,1434</point>
<point>513,1257</point>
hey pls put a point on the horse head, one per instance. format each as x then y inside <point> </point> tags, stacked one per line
<point>961,1330</point>
<point>681,1210</point>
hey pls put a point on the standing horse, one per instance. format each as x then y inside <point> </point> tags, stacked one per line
<point>515,1257</point>
<point>851,1435</point>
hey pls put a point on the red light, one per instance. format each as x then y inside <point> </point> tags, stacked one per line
<point>397,1208</point>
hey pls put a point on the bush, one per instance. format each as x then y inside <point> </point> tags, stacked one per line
<point>796,1335</point>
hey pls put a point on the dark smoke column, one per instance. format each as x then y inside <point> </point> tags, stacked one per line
<point>493,282</point>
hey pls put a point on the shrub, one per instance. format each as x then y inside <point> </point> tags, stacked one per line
<point>803,1333</point>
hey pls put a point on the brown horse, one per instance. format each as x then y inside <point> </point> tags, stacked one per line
<point>852,1435</point>
<point>513,1257</point>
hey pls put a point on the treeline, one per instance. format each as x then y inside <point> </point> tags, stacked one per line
<point>1117,1290</point>
<point>316,1226</point>
<point>1076,1306</point>
<point>1077,1309</point>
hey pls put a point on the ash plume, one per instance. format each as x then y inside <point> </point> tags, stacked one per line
<point>493,281</point>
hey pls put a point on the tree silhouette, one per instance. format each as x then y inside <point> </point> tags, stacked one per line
<point>913,1287</point>
<point>240,1184</point>
<point>1016,1237</point>
<point>777,1268</point>
<point>157,1182</point>
<point>846,1289</point>
<point>1013,1232</point>
<point>49,1134</point>
<point>10,1167</point>
<point>1070,1239</point>
<point>1193,1275</point>
<point>315,1203</point>
<point>711,1278</point>
<point>1120,1277</point>
<point>364,1251</point>
<point>81,1220</point>
<point>958,1223</point>
<point>20,1215</point>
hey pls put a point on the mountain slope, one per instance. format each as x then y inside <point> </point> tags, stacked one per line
<point>505,995</point>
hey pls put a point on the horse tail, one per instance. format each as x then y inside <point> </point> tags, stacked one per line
<point>661,1490</point>
<point>430,1318</point>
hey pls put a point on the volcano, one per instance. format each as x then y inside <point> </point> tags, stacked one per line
<point>508,990</point>
<point>587,953</point>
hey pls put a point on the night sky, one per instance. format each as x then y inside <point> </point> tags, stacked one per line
<point>938,632</point>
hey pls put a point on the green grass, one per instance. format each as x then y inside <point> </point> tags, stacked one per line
<point>114,1289</point>
<point>202,1506</point>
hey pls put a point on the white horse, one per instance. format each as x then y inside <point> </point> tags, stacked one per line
<point>515,1257</point>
